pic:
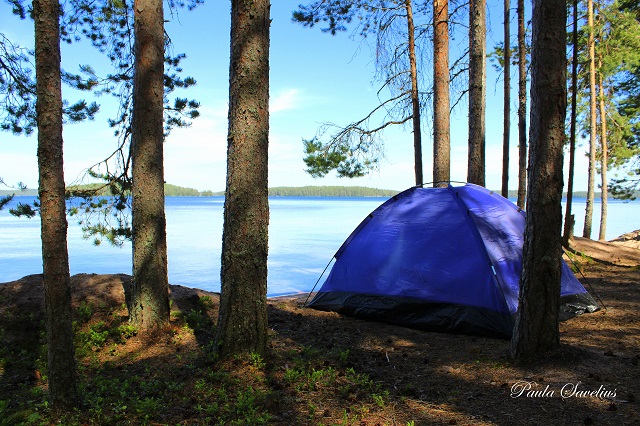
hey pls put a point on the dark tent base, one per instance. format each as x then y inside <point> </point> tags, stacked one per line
<point>439,317</point>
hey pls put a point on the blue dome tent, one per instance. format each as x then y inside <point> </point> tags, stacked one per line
<point>442,259</point>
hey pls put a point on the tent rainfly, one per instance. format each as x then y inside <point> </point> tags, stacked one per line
<point>440,259</point>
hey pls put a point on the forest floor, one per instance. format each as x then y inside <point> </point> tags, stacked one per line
<point>323,368</point>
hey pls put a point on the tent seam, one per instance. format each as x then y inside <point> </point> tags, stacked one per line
<point>479,239</point>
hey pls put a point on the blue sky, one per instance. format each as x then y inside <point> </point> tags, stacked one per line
<point>314,78</point>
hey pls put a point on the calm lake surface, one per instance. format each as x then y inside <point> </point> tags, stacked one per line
<point>304,234</point>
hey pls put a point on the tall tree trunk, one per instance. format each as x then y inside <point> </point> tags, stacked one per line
<point>61,360</point>
<point>536,329</point>
<point>588,217</point>
<point>507,99</point>
<point>242,322</point>
<point>603,165</point>
<point>415,100</point>
<point>149,304</point>
<point>477,95</point>
<point>568,216</point>
<point>441,121</point>
<point>522,107</point>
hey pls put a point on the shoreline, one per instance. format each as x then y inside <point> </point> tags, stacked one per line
<point>623,251</point>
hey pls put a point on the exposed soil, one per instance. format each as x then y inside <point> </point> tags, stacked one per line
<point>623,251</point>
<point>323,368</point>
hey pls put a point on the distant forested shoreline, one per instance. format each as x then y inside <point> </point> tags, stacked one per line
<point>169,191</point>
<point>279,191</point>
<point>330,191</point>
<point>313,191</point>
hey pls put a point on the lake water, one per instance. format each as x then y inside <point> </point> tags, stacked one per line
<point>304,234</point>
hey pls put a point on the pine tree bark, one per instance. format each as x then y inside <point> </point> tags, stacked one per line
<point>242,321</point>
<point>149,302</point>
<point>415,100</point>
<point>522,108</point>
<point>507,99</point>
<point>63,391</point>
<point>604,161</point>
<point>477,91</point>
<point>588,216</point>
<point>536,328</point>
<point>441,102</point>
<point>568,217</point>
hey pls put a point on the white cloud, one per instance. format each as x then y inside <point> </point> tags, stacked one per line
<point>196,156</point>
<point>285,100</point>
<point>20,167</point>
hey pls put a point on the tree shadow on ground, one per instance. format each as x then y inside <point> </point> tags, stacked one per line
<point>22,336</point>
<point>199,310</point>
<point>441,378</point>
<point>323,368</point>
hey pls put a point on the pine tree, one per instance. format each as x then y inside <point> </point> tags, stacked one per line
<point>568,217</point>
<point>355,149</point>
<point>415,94</point>
<point>242,321</point>
<point>107,26</point>
<point>619,54</point>
<point>522,107</point>
<point>477,91</point>
<point>17,105</point>
<point>536,329</point>
<point>149,300</point>
<point>507,99</point>
<point>18,87</point>
<point>588,217</point>
<point>617,31</point>
<point>604,163</point>
<point>441,104</point>
<point>61,361</point>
